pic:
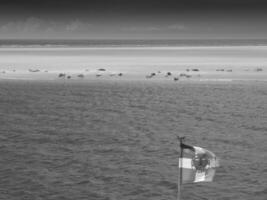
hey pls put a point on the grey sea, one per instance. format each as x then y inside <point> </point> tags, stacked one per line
<point>116,140</point>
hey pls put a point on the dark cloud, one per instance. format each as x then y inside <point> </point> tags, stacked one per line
<point>67,9</point>
<point>132,5</point>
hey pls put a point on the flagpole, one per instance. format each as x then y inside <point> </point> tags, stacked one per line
<point>179,184</point>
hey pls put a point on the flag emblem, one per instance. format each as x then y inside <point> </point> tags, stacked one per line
<point>200,162</point>
<point>197,164</point>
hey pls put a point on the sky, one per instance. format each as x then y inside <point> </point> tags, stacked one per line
<point>133,19</point>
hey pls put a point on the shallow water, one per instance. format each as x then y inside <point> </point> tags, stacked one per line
<point>117,140</point>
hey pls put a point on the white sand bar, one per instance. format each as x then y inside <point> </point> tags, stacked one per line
<point>242,61</point>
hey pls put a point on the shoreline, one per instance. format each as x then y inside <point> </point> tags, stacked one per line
<point>136,77</point>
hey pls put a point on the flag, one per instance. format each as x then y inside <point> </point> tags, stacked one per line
<point>197,164</point>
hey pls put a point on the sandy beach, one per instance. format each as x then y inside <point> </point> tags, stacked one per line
<point>223,63</point>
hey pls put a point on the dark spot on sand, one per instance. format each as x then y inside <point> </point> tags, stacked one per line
<point>34,70</point>
<point>61,75</point>
<point>258,69</point>
<point>168,74</point>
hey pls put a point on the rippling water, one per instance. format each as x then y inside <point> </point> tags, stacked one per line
<point>117,140</point>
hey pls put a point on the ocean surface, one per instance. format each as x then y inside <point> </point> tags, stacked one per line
<point>116,140</point>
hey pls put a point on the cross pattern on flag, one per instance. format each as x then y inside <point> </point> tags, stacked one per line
<point>197,164</point>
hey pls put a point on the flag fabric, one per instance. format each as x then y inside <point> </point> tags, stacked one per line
<point>197,164</point>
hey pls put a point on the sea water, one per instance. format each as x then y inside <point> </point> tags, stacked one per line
<point>117,139</point>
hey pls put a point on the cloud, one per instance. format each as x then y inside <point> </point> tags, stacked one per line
<point>26,26</point>
<point>141,28</point>
<point>37,27</point>
<point>179,27</point>
<point>77,26</point>
<point>172,27</point>
<point>34,28</point>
